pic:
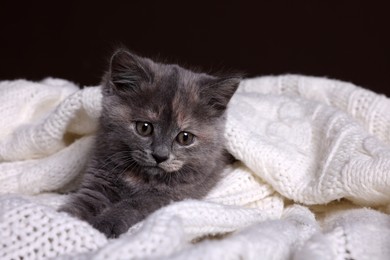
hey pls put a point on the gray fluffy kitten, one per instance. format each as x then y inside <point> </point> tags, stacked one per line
<point>160,139</point>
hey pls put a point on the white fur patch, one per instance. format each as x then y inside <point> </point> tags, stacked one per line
<point>171,165</point>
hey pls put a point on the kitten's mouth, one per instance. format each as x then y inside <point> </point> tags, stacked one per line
<point>172,166</point>
<point>164,167</point>
<point>156,169</point>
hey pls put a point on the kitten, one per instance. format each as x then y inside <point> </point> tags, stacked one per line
<point>160,139</point>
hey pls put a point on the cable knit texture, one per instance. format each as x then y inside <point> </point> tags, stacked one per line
<point>312,181</point>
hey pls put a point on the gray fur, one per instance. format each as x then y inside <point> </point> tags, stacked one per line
<point>124,182</point>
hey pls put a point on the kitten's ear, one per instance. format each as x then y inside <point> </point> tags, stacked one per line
<point>127,71</point>
<point>217,92</point>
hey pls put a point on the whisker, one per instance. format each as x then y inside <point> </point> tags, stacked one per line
<point>130,166</point>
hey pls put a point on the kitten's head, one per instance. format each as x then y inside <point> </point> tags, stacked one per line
<point>160,118</point>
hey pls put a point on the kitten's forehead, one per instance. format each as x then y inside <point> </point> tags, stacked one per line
<point>176,78</point>
<point>177,94</point>
<point>171,98</point>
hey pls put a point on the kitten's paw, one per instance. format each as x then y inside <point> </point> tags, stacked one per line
<point>112,228</point>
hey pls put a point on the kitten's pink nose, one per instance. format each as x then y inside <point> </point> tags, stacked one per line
<point>160,157</point>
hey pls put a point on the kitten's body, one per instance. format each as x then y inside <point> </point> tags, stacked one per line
<point>133,171</point>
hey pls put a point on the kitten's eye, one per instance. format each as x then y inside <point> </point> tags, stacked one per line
<point>185,138</point>
<point>144,128</point>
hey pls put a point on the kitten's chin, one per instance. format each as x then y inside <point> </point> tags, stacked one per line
<point>153,171</point>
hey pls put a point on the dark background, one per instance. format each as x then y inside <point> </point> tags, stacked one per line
<point>345,40</point>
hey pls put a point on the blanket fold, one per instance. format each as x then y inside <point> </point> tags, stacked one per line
<point>313,154</point>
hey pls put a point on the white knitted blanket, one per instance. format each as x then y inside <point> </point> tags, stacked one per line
<point>313,181</point>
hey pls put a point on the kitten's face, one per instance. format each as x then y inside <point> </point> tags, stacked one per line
<point>163,118</point>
